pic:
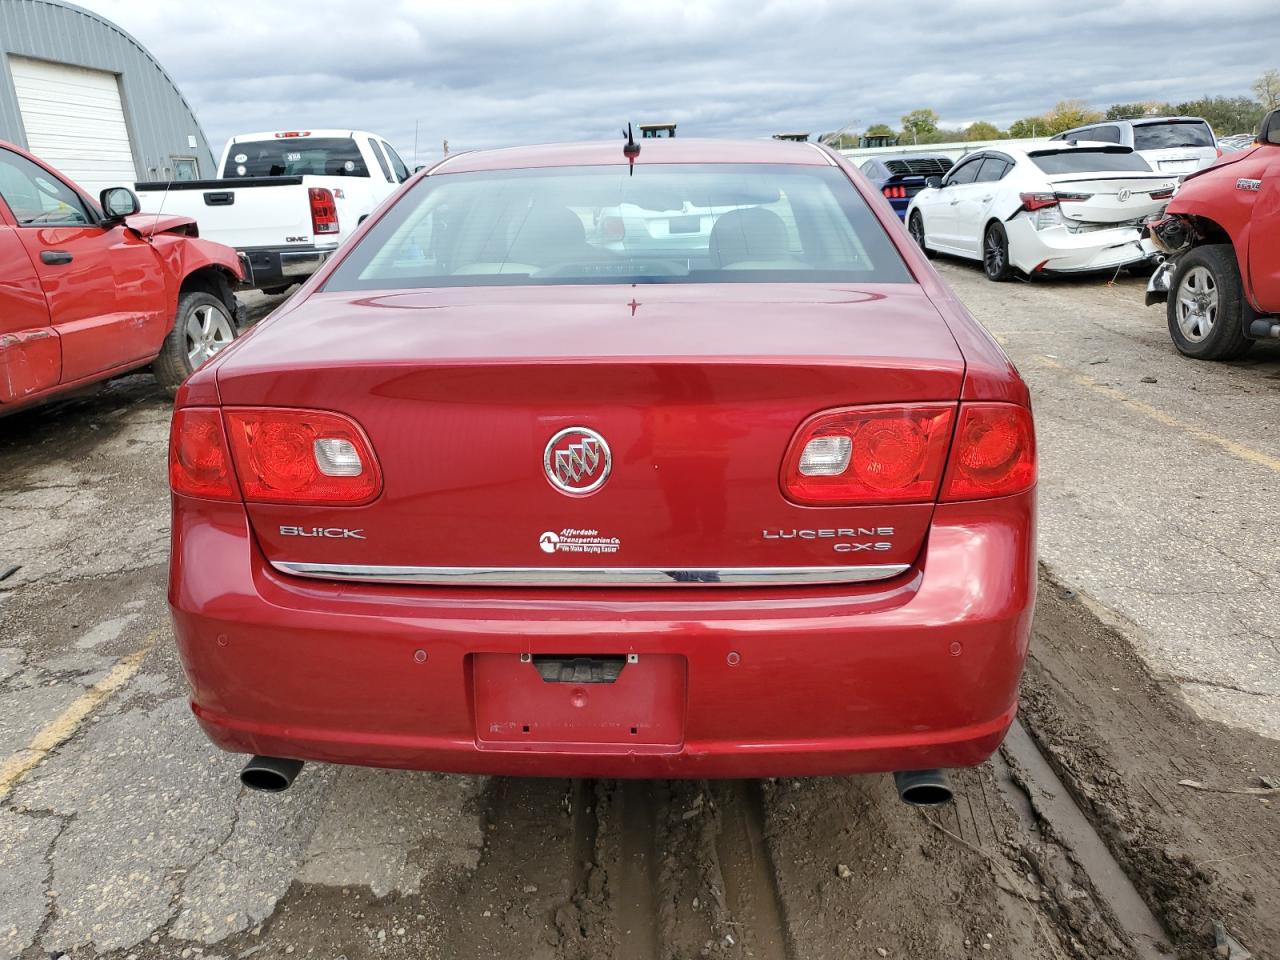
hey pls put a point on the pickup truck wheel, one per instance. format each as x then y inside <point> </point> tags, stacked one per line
<point>995,254</point>
<point>1205,305</point>
<point>202,327</point>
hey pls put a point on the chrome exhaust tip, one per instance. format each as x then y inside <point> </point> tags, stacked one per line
<point>270,774</point>
<point>923,788</point>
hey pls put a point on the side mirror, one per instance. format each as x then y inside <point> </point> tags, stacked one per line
<point>934,183</point>
<point>1269,131</point>
<point>118,203</point>
<point>421,166</point>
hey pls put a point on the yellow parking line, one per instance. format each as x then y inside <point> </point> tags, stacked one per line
<point>67,722</point>
<point>1160,416</point>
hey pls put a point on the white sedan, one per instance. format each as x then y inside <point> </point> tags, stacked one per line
<point>1067,208</point>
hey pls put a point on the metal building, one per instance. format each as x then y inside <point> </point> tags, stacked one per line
<point>83,95</point>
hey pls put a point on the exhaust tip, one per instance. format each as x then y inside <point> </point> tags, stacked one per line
<point>923,788</point>
<point>270,774</point>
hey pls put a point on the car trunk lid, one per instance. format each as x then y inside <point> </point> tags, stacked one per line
<point>697,391</point>
<point>1109,197</point>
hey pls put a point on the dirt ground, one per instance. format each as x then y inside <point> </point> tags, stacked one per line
<point>123,834</point>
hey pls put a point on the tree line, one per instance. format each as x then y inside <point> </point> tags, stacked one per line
<point>1227,115</point>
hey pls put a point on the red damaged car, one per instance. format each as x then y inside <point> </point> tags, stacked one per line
<point>92,290</point>
<point>575,462</point>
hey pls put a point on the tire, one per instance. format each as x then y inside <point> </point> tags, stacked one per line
<point>1206,306</point>
<point>203,326</point>
<point>995,253</point>
<point>915,227</point>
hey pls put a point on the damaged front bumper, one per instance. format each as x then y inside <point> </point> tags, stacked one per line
<point>1158,285</point>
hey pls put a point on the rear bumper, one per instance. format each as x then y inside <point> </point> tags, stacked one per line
<point>920,671</point>
<point>281,266</point>
<point>1062,251</point>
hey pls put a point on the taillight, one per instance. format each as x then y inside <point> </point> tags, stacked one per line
<point>1038,201</point>
<point>1063,197</point>
<point>858,456</point>
<point>284,455</point>
<point>1162,194</point>
<point>994,453</point>
<point>324,210</point>
<point>895,193</point>
<point>862,455</point>
<point>199,465</point>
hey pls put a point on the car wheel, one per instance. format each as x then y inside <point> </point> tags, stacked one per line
<point>1205,304</point>
<point>915,227</point>
<point>202,327</point>
<point>995,254</point>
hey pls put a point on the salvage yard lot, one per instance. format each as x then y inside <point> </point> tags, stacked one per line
<point>123,832</point>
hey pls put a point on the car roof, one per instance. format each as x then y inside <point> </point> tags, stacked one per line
<point>653,150</point>
<point>304,134</point>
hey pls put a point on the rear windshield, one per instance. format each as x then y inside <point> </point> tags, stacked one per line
<point>669,223</point>
<point>1089,161</point>
<point>1175,133</point>
<point>295,156</point>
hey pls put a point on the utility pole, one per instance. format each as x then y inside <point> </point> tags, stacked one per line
<point>415,143</point>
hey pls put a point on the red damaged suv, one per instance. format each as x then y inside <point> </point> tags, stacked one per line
<point>575,462</point>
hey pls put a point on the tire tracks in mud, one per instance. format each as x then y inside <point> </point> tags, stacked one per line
<point>632,869</point>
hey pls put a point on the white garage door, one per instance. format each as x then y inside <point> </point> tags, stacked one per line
<point>75,122</point>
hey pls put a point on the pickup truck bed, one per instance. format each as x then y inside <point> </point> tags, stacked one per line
<point>267,219</point>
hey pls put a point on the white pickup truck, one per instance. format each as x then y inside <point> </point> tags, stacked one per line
<point>286,199</point>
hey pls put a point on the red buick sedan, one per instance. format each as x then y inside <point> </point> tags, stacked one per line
<point>579,463</point>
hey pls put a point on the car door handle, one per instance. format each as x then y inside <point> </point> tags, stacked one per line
<point>955,201</point>
<point>55,257</point>
<point>987,198</point>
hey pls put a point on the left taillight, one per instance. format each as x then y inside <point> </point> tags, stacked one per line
<point>864,455</point>
<point>199,462</point>
<point>285,455</point>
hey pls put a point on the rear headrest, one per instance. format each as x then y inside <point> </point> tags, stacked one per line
<point>749,234</point>
<point>548,235</point>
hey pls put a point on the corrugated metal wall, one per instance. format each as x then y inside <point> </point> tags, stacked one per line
<point>159,119</point>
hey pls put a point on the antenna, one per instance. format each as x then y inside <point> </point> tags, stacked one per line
<point>631,150</point>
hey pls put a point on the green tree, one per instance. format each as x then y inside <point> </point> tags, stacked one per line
<point>1118,111</point>
<point>981,130</point>
<point>879,130</point>
<point>1029,127</point>
<point>918,124</point>
<point>1227,115</point>
<point>1267,87</point>
<point>1070,113</point>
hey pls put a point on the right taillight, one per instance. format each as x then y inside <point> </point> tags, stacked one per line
<point>286,455</point>
<point>993,453</point>
<point>866,455</point>
<point>858,456</point>
<point>324,210</point>
<point>199,464</point>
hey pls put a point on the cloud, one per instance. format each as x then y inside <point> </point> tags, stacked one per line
<point>499,73</point>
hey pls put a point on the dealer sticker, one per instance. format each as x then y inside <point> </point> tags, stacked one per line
<point>241,157</point>
<point>571,540</point>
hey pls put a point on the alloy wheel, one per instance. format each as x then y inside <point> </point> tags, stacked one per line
<point>993,254</point>
<point>916,229</point>
<point>1197,303</point>
<point>208,331</point>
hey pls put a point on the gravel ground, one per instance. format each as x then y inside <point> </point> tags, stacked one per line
<point>124,834</point>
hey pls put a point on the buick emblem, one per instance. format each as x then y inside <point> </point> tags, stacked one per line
<point>1124,195</point>
<point>577,461</point>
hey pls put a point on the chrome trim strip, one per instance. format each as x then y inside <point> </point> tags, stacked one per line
<point>592,576</point>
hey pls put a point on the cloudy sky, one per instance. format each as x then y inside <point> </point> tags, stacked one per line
<point>488,73</point>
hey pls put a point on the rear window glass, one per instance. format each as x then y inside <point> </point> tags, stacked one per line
<point>1089,161</point>
<point>669,223</point>
<point>295,156</point>
<point>1179,133</point>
